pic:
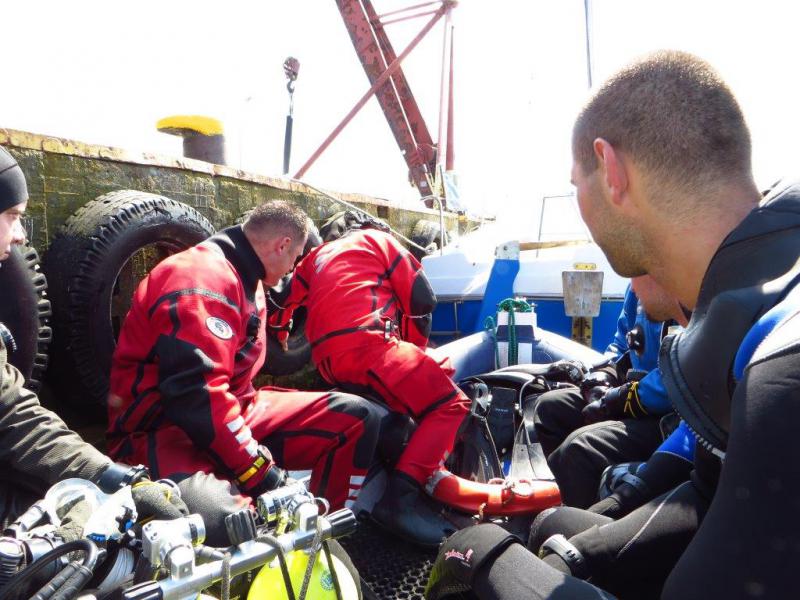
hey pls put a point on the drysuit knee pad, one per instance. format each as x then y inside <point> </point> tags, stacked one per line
<point>462,555</point>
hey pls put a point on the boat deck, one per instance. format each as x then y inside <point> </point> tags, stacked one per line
<point>391,568</point>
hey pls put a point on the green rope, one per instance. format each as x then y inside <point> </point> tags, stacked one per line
<point>490,326</point>
<point>512,306</point>
<point>517,304</point>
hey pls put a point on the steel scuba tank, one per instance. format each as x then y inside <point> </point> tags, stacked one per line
<point>269,583</point>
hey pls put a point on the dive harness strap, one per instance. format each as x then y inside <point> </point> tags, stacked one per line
<point>637,483</point>
<point>559,545</point>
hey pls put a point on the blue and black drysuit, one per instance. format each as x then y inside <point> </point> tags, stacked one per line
<point>578,453</point>
<point>669,466</point>
<point>651,388</point>
<point>731,531</point>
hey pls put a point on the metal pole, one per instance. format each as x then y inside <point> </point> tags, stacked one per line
<point>587,14</point>
<point>287,142</point>
<point>408,18</point>
<point>379,18</point>
<point>441,140</point>
<point>450,159</point>
<point>291,67</point>
<point>390,69</point>
<point>287,139</point>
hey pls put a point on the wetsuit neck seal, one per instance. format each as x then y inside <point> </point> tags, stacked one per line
<point>240,253</point>
<point>751,272</point>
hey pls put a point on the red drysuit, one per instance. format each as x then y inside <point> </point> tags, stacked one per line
<point>181,397</point>
<point>369,306</point>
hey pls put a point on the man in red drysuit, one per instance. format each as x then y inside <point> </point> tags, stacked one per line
<point>369,306</point>
<point>182,400</point>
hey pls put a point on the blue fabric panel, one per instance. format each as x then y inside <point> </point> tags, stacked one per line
<point>680,443</point>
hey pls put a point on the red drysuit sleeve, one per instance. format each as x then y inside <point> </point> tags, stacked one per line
<point>280,314</point>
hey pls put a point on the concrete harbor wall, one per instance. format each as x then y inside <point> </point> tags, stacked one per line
<point>64,174</point>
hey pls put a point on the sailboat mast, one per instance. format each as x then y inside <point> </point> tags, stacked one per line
<point>587,13</point>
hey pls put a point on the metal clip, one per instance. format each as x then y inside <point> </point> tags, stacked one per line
<point>388,329</point>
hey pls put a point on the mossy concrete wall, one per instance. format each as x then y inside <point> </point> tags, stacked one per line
<point>64,174</point>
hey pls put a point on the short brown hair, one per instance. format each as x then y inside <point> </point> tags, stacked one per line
<point>277,217</point>
<point>674,116</point>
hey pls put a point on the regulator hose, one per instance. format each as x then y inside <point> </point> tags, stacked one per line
<point>24,578</point>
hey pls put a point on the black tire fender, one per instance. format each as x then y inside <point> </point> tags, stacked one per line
<point>428,235</point>
<point>25,310</point>
<point>94,265</point>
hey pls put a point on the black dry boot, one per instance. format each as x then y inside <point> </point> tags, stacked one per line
<point>405,511</point>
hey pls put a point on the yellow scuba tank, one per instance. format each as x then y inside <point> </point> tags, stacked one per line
<point>269,583</point>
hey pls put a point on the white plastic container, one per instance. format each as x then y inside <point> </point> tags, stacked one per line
<point>525,329</point>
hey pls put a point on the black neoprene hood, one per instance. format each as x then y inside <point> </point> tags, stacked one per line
<point>13,189</point>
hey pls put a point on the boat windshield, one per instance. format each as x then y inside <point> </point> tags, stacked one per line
<point>553,218</point>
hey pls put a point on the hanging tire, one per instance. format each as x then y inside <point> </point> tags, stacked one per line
<point>94,266</point>
<point>25,310</point>
<point>428,235</point>
<point>299,353</point>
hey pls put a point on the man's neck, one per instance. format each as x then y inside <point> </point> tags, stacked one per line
<point>684,251</point>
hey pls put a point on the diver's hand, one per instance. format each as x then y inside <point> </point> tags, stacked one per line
<point>608,406</point>
<point>617,403</point>
<point>570,371</point>
<point>157,500</point>
<point>596,384</point>
<point>73,522</point>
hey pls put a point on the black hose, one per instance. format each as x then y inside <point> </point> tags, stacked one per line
<point>74,584</point>
<point>22,579</point>
<point>52,586</point>
<point>143,571</point>
<point>66,584</point>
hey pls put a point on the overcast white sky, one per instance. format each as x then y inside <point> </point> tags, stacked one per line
<point>105,72</point>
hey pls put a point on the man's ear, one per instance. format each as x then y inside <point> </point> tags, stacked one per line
<point>613,169</point>
<point>283,245</point>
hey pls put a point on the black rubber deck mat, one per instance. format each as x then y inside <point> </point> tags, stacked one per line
<point>392,568</point>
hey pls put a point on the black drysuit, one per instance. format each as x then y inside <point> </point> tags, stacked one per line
<point>734,376</point>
